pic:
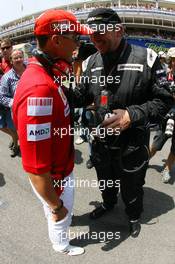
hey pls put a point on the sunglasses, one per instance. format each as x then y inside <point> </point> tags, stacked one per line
<point>3,48</point>
<point>73,37</point>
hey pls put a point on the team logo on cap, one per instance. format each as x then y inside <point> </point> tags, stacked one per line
<point>94,18</point>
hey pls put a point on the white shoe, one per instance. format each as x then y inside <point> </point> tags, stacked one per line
<point>71,250</point>
<point>79,141</point>
<point>166,176</point>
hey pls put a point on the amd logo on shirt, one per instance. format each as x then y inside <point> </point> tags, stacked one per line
<point>37,132</point>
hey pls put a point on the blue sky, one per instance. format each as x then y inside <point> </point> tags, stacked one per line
<point>11,9</point>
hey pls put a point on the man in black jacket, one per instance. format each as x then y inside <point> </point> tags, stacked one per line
<point>123,80</point>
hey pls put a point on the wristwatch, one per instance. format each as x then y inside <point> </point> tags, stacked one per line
<point>57,209</point>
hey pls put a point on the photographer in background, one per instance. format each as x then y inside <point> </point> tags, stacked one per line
<point>85,50</point>
<point>167,130</point>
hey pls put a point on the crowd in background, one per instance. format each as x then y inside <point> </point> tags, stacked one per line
<point>90,7</point>
<point>152,34</point>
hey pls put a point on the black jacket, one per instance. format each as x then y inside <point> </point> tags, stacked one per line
<point>135,85</point>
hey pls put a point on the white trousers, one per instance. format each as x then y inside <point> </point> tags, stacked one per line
<point>58,231</point>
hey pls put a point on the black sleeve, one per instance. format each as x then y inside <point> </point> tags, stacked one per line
<point>159,101</point>
<point>82,95</point>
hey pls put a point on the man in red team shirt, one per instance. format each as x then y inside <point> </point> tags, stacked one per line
<point>40,108</point>
<point>6,50</point>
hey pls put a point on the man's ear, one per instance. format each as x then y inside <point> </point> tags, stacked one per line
<point>119,30</point>
<point>55,39</point>
<point>122,29</point>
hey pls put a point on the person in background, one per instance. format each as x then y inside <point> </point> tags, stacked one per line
<point>1,72</point>
<point>5,65</point>
<point>85,50</point>
<point>162,56</point>
<point>161,138</point>
<point>6,50</point>
<point>158,127</point>
<point>7,90</point>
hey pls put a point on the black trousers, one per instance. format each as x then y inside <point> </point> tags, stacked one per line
<point>111,177</point>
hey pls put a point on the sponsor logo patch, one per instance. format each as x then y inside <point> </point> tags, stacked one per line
<point>130,67</point>
<point>37,132</point>
<point>39,106</point>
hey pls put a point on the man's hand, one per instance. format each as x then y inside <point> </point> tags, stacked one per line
<point>120,120</point>
<point>44,186</point>
<point>61,214</point>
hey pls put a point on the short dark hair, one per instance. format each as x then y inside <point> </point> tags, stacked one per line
<point>42,40</point>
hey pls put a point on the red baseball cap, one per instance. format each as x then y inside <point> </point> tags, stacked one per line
<point>59,21</point>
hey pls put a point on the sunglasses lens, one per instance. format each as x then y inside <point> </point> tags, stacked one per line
<point>3,48</point>
<point>72,37</point>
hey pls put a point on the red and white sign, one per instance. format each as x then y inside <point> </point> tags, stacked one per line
<point>39,106</point>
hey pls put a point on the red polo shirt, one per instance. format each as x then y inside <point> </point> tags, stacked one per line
<point>5,65</point>
<point>40,112</point>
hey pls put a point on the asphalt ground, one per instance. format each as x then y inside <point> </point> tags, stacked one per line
<point>23,228</point>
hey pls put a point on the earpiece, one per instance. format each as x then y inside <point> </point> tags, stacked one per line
<point>55,67</point>
<point>42,57</point>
